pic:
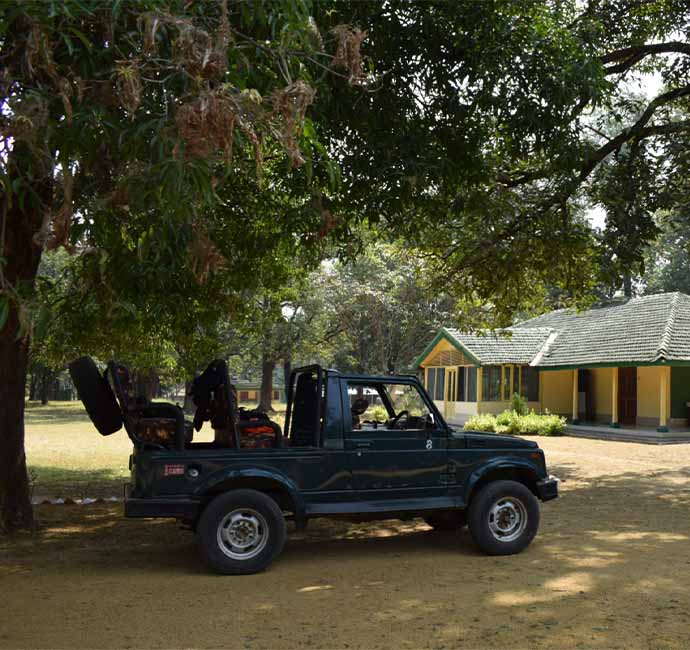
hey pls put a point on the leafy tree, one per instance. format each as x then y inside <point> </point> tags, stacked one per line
<point>148,135</point>
<point>493,115</point>
<point>667,261</point>
<point>142,136</point>
<point>375,312</point>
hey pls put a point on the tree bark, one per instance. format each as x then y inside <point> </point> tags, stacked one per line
<point>188,401</point>
<point>287,371</point>
<point>45,384</point>
<point>267,367</point>
<point>33,386</point>
<point>22,264</point>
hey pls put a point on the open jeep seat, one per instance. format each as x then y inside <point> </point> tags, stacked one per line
<point>110,402</point>
<point>215,398</point>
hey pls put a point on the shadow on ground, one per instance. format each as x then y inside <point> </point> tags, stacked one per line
<point>610,568</point>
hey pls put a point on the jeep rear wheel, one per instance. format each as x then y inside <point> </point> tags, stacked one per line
<point>241,532</point>
<point>503,518</point>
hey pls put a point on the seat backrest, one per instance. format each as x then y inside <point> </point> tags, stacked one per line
<point>215,400</point>
<point>122,385</point>
<point>304,411</point>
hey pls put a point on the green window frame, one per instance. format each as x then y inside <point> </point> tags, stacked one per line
<point>431,381</point>
<point>472,384</point>
<point>439,393</point>
<point>530,384</point>
<point>461,395</point>
<point>492,380</point>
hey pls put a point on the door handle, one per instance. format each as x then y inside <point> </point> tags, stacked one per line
<point>362,444</point>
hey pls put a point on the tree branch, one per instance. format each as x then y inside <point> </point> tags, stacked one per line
<point>636,132</point>
<point>627,57</point>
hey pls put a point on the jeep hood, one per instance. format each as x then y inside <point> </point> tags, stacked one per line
<point>497,441</point>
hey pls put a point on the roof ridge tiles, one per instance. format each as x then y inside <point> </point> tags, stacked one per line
<point>663,351</point>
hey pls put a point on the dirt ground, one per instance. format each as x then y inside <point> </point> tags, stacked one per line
<point>609,569</point>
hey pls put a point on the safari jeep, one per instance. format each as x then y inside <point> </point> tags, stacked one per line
<point>352,446</point>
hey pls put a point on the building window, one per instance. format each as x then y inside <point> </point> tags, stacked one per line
<point>516,380</point>
<point>276,395</point>
<point>491,383</point>
<point>431,381</point>
<point>530,383</point>
<point>472,384</point>
<point>462,385</point>
<point>439,394</point>
<point>244,396</point>
<point>507,384</point>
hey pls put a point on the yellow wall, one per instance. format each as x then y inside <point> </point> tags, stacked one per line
<point>557,391</point>
<point>648,386</point>
<point>602,389</point>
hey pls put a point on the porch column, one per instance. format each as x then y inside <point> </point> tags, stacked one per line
<point>480,382</point>
<point>663,399</point>
<point>576,395</point>
<point>614,398</point>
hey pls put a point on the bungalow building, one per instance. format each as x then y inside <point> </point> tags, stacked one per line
<point>621,365</point>
<point>250,391</point>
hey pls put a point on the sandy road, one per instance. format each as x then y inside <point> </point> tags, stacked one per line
<point>609,569</point>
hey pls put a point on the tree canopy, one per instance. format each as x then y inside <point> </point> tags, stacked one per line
<point>194,155</point>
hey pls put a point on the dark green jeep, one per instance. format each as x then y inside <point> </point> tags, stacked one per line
<point>353,446</point>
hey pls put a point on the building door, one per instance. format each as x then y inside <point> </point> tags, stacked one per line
<point>451,382</point>
<point>627,395</point>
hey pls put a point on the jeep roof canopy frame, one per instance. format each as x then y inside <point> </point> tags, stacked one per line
<point>311,370</point>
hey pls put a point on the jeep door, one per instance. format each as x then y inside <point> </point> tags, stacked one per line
<point>396,446</point>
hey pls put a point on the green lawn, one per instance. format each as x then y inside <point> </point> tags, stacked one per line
<point>67,457</point>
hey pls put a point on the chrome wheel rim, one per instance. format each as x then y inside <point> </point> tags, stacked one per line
<point>242,534</point>
<point>507,519</point>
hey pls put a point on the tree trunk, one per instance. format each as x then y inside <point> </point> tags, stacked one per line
<point>146,383</point>
<point>188,402</point>
<point>33,386</point>
<point>45,382</point>
<point>267,367</point>
<point>287,371</point>
<point>22,257</point>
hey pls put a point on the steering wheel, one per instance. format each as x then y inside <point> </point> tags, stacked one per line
<point>393,422</point>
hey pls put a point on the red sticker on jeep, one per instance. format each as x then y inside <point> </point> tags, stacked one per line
<point>173,470</point>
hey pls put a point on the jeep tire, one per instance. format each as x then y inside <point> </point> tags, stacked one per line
<point>451,520</point>
<point>241,531</point>
<point>96,395</point>
<point>503,517</point>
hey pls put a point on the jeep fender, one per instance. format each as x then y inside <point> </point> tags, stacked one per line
<point>264,478</point>
<point>498,465</point>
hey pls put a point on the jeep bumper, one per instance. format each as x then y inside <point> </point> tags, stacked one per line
<point>175,508</point>
<point>547,488</point>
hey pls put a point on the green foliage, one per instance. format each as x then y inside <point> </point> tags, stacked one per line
<point>375,310</point>
<point>377,413</point>
<point>481,422</point>
<point>518,404</point>
<point>513,423</point>
<point>667,260</point>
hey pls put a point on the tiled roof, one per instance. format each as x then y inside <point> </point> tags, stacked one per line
<point>649,329</point>
<point>510,346</point>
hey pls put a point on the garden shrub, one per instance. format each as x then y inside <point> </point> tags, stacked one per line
<point>512,423</point>
<point>518,404</point>
<point>485,422</point>
<point>377,413</point>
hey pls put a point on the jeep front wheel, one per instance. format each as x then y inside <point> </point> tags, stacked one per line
<point>241,532</point>
<point>503,518</point>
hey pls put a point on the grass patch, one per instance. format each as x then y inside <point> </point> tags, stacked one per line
<point>67,457</point>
